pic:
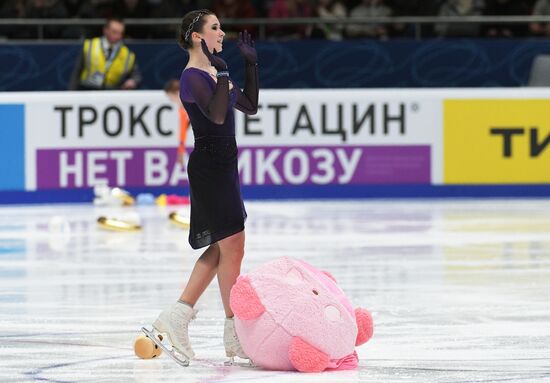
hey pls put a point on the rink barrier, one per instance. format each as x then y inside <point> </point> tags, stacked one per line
<point>395,63</point>
<point>334,143</point>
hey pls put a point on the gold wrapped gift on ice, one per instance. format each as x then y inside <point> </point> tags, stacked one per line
<point>115,224</point>
<point>179,220</point>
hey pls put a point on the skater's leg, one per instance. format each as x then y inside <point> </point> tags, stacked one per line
<point>229,267</point>
<point>174,320</point>
<point>231,256</point>
<point>204,271</point>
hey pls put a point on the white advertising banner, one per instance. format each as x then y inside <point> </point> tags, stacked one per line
<point>298,137</point>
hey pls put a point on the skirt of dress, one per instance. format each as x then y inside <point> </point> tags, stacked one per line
<point>217,209</point>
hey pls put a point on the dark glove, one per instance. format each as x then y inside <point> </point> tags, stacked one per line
<point>247,48</point>
<point>216,61</point>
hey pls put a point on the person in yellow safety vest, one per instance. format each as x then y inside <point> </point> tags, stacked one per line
<point>105,62</point>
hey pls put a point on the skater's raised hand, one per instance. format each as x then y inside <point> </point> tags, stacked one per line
<point>216,61</point>
<point>247,47</point>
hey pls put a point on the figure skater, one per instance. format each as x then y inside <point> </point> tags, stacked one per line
<point>217,210</point>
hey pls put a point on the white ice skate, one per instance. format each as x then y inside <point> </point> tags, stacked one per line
<point>172,325</point>
<point>233,346</point>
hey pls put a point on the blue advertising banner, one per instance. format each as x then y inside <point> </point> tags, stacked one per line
<point>12,147</point>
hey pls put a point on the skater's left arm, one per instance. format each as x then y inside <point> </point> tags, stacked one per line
<point>247,100</point>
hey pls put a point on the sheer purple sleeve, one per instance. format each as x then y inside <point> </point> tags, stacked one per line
<point>247,100</point>
<point>212,103</point>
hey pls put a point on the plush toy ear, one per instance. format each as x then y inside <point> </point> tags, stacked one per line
<point>306,358</point>
<point>364,326</point>
<point>244,301</point>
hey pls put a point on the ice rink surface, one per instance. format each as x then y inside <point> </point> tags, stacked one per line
<point>459,290</point>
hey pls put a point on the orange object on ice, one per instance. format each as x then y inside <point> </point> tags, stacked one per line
<point>184,125</point>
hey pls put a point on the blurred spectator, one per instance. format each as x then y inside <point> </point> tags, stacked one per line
<point>234,9</point>
<point>330,9</point>
<point>415,7</point>
<point>47,9</point>
<point>369,8</point>
<point>168,8</point>
<point>505,8</point>
<point>72,6</point>
<point>282,9</point>
<point>261,7</point>
<point>104,8</point>
<point>133,9</point>
<point>541,8</point>
<point>172,8</point>
<point>285,9</point>
<point>105,62</point>
<point>14,9</point>
<point>82,10</point>
<point>451,8</point>
<point>153,3</point>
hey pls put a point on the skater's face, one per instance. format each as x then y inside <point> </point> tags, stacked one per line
<point>211,33</point>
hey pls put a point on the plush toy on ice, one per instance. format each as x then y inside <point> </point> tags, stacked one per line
<point>291,316</point>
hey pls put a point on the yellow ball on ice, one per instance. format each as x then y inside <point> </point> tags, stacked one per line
<point>145,348</point>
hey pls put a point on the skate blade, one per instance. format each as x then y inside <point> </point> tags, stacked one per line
<point>170,352</point>
<point>231,362</point>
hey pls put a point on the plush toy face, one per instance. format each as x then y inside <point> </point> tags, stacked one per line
<point>286,309</point>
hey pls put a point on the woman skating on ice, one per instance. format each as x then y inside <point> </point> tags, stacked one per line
<point>217,210</point>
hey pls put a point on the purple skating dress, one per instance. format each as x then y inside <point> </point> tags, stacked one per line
<point>217,209</point>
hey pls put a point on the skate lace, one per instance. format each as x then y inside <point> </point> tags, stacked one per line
<point>182,323</point>
<point>231,334</point>
<point>236,346</point>
<point>234,342</point>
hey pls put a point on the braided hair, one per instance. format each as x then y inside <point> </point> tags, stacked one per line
<point>192,22</point>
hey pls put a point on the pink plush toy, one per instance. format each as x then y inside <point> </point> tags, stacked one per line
<point>291,316</point>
